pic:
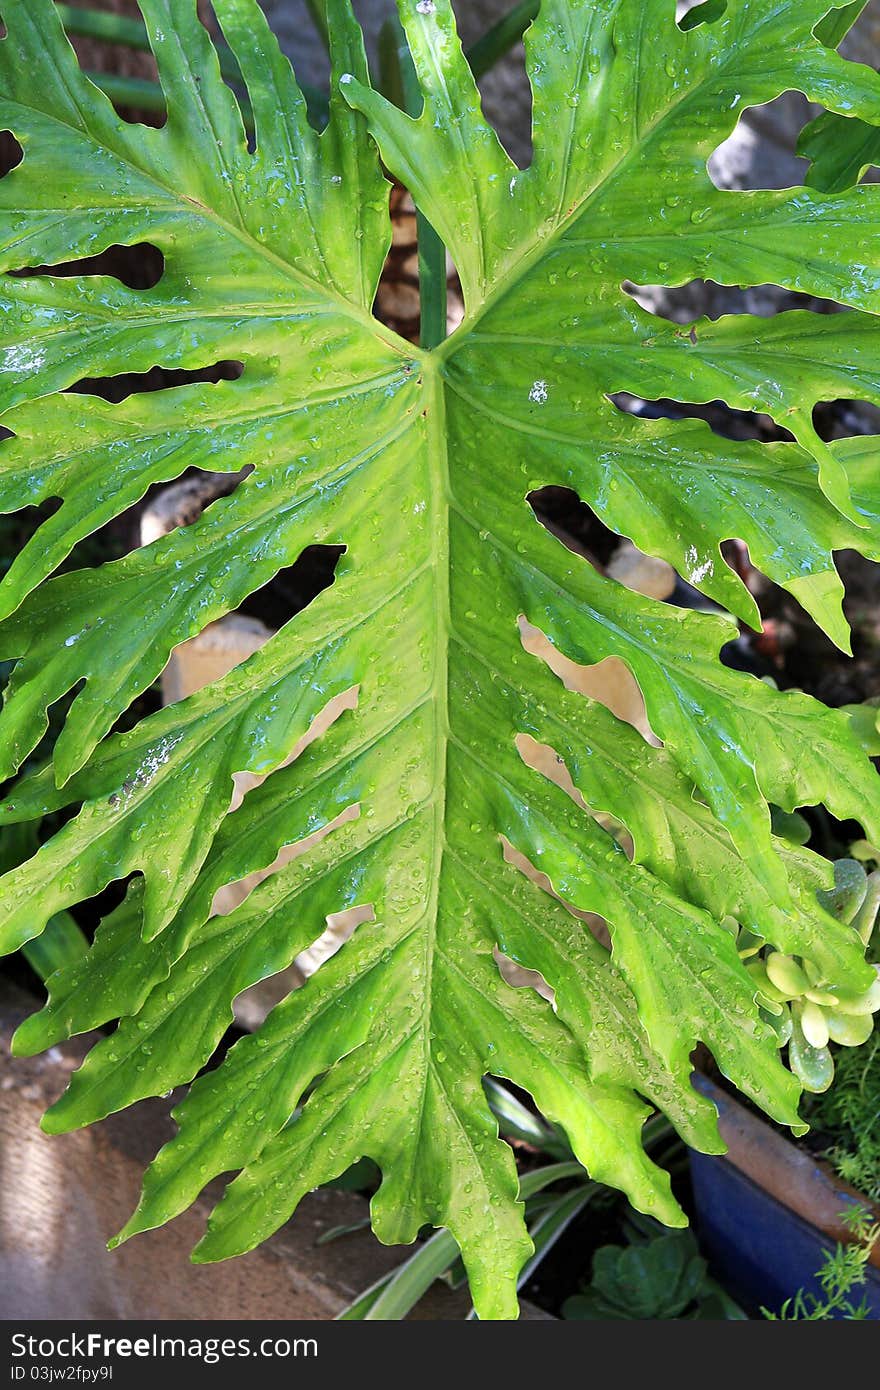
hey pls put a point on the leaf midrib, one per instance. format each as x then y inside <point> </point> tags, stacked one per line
<point>437,454</point>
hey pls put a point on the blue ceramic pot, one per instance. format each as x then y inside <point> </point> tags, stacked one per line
<point>767,1213</point>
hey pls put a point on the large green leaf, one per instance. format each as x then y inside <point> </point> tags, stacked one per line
<point>420,466</point>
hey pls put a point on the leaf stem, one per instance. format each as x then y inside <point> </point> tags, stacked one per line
<point>137,92</point>
<point>140,92</point>
<point>143,95</point>
<point>318,15</point>
<point>61,944</point>
<point>132,33</point>
<point>432,283</point>
<point>96,24</point>
<point>401,85</point>
<point>486,51</point>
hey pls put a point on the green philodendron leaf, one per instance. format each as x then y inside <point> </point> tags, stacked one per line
<point>419,464</point>
<point>840,151</point>
<point>840,147</point>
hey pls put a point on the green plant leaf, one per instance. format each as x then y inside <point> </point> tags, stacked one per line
<point>833,28</point>
<point>840,148</point>
<point>455,621</point>
<point>655,1279</point>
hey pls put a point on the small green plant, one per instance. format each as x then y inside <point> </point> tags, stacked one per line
<point>454,617</point>
<point>803,1006</point>
<point>661,1277</point>
<point>849,1113</point>
<point>843,1271</point>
